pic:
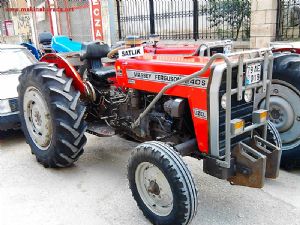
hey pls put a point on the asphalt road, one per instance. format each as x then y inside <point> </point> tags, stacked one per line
<point>95,191</point>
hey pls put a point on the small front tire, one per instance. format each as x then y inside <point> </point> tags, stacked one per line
<point>162,185</point>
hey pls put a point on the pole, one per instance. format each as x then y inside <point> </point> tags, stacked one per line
<point>152,19</point>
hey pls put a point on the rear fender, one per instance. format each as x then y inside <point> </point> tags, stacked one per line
<point>70,71</point>
<point>292,50</point>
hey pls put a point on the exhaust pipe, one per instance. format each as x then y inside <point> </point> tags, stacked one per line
<point>186,148</point>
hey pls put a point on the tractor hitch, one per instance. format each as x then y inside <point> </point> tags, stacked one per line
<point>254,162</point>
<point>251,163</point>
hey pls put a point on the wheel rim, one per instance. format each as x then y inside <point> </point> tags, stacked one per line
<point>37,118</point>
<point>285,114</point>
<point>154,189</point>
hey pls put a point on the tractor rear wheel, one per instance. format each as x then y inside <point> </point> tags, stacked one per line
<point>285,107</point>
<point>51,115</point>
<point>161,184</point>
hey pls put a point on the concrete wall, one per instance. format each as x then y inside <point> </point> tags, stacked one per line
<point>263,22</point>
<point>106,21</point>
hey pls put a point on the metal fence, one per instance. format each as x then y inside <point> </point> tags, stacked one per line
<point>75,23</point>
<point>288,20</point>
<point>185,19</point>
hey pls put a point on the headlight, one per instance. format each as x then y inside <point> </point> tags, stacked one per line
<point>248,95</point>
<point>223,101</point>
<point>4,106</point>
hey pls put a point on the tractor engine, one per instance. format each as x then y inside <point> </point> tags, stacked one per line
<point>168,121</point>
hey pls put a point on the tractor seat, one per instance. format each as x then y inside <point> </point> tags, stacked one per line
<point>91,54</point>
<point>93,51</point>
<point>104,72</point>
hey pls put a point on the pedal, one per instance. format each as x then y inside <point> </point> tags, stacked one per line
<point>273,154</point>
<point>100,130</point>
<point>250,167</point>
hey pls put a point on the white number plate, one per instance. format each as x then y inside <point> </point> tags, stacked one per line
<point>131,52</point>
<point>227,49</point>
<point>253,73</point>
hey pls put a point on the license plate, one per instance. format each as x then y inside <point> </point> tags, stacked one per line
<point>253,73</point>
<point>227,49</point>
<point>131,52</point>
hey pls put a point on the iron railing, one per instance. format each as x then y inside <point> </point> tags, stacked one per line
<point>185,19</point>
<point>288,20</point>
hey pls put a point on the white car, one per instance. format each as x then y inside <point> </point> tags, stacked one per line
<point>13,58</point>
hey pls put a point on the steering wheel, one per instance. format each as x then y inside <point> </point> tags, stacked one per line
<point>113,54</point>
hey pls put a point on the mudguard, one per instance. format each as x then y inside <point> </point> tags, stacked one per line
<point>62,63</point>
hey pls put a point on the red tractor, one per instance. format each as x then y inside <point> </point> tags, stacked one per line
<point>202,107</point>
<point>285,92</point>
<point>154,47</point>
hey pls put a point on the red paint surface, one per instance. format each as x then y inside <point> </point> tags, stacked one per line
<point>171,49</point>
<point>169,64</point>
<point>70,71</point>
<point>293,50</point>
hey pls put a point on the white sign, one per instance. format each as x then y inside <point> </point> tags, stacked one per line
<point>131,52</point>
<point>227,49</point>
<point>253,73</point>
<point>202,114</point>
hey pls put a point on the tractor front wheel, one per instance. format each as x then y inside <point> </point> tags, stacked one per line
<point>51,115</point>
<point>162,185</point>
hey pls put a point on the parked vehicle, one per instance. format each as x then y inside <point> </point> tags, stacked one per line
<point>285,94</point>
<point>58,43</point>
<point>13,58</point>
<point>204,49</point>
<point>197,106</point>
<point>153,46</point>
<point>62,43</point>
<point>32,48</point>
<point>285,100</point>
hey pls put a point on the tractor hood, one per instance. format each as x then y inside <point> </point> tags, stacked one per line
<point>8,85</point>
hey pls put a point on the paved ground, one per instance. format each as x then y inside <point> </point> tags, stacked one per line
<point>95,191</point>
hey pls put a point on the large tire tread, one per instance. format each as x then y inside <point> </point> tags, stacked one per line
<point>67,114</point>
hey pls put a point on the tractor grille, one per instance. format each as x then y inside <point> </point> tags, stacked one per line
<point>13,103</point>
<point>239,110</point>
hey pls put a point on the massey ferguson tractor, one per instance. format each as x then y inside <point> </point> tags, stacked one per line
<point>175,106</point>
<point>285,91</point>
<point>153,46</point>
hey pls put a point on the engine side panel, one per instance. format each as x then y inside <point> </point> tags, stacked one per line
<point>153,75</point>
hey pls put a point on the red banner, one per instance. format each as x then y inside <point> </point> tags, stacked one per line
<point>96,18</point>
